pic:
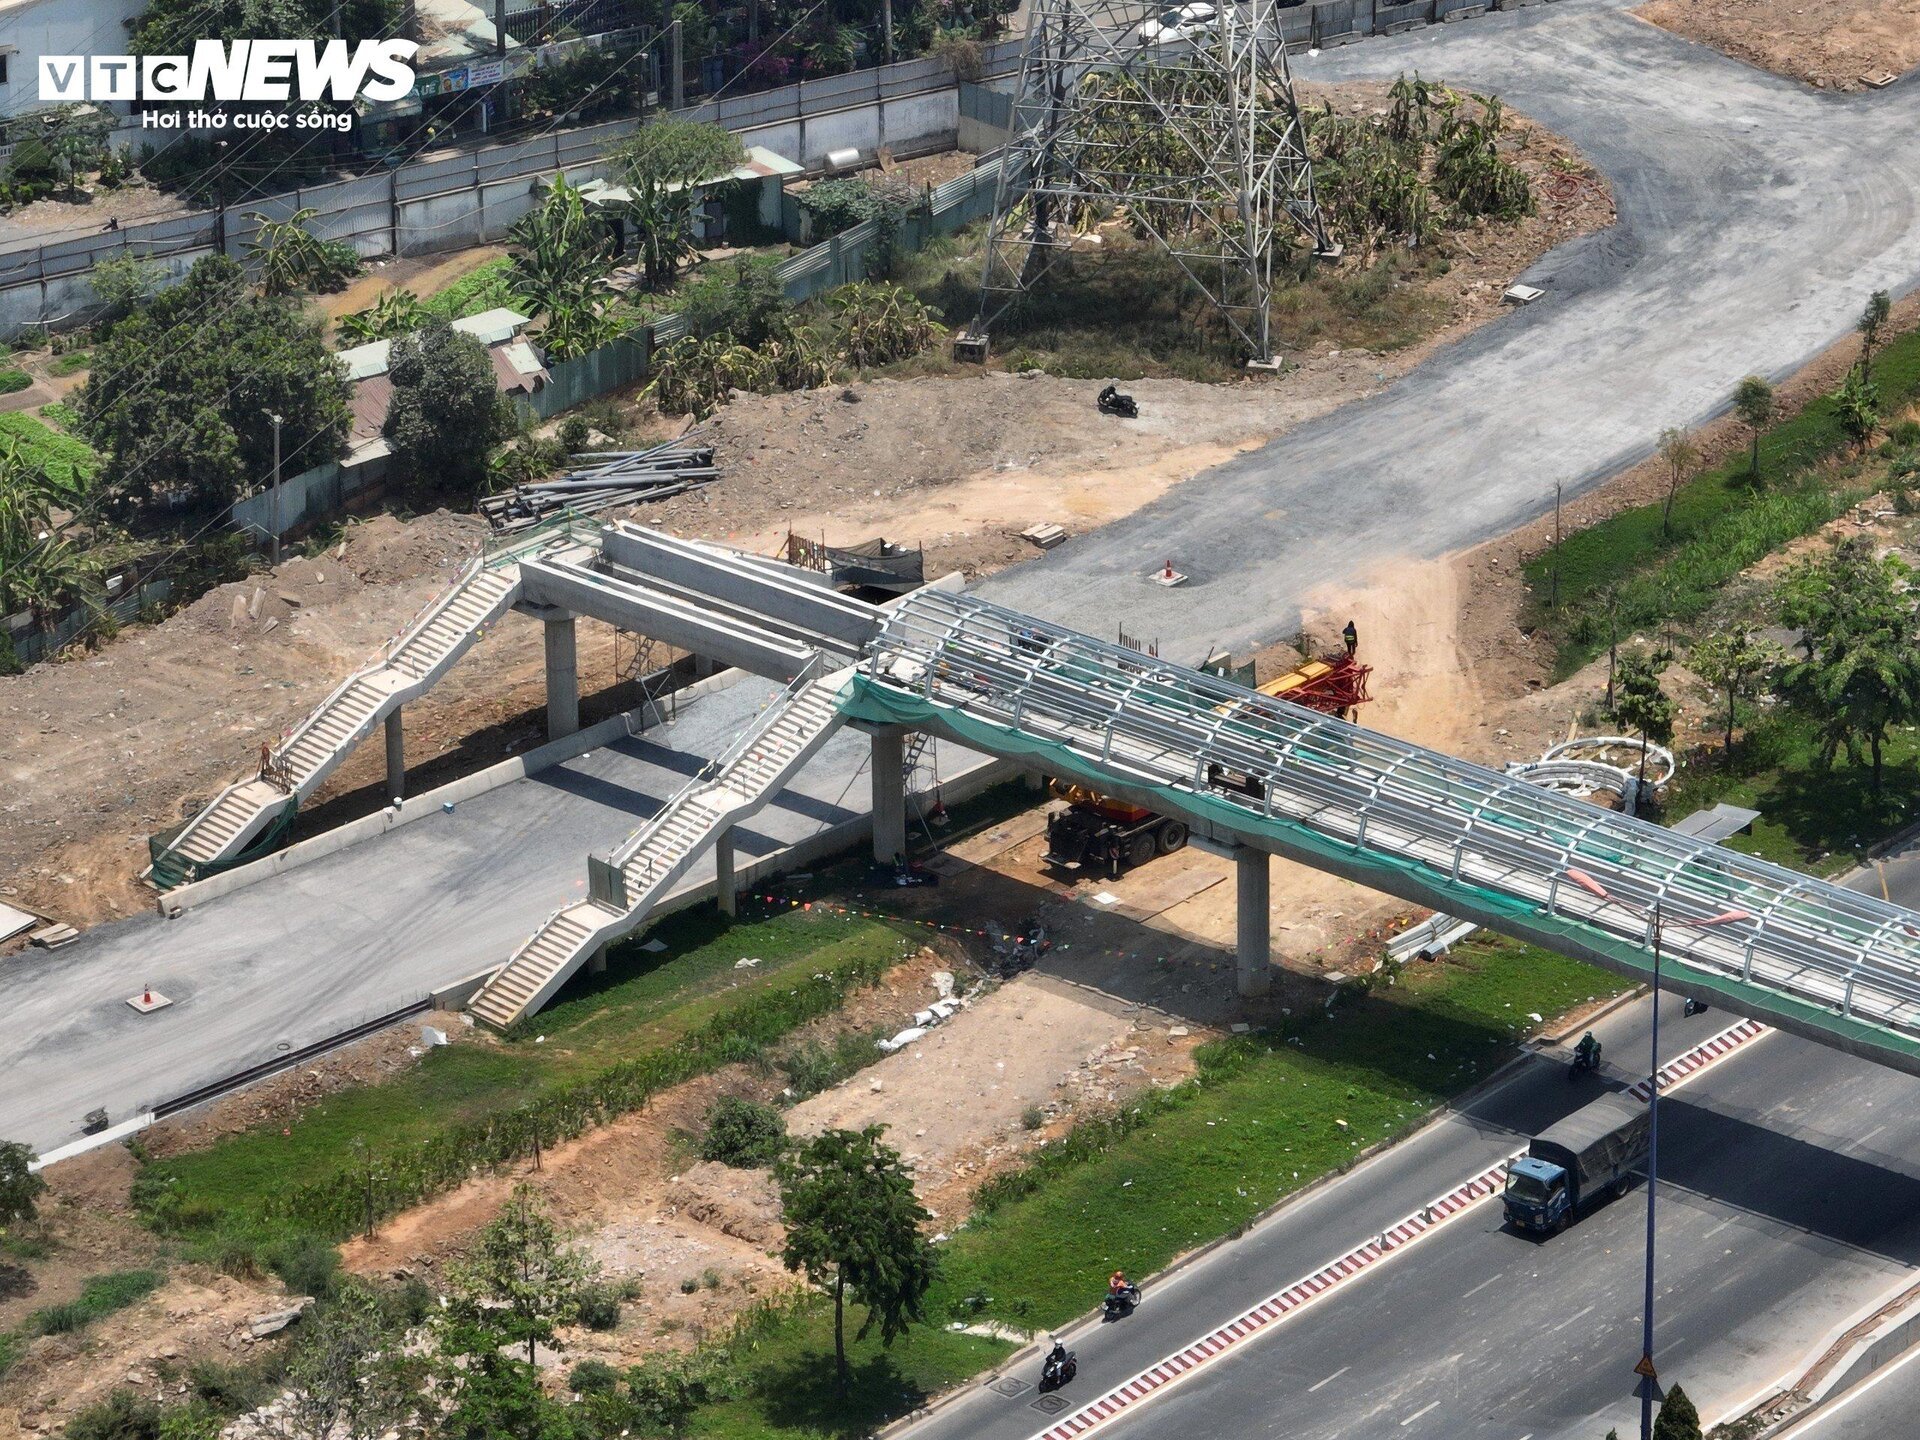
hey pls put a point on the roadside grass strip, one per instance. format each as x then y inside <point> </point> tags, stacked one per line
<point>1325,1281</point>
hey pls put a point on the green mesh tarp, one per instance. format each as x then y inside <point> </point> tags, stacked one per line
<point>171,868</point>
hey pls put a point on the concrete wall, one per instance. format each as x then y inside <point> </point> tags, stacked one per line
<point>32,28</point>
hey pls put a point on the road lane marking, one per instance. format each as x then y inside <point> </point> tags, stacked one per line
<point>1418,1413</point>
<point>1283,1305</point>
<point>1330,1379</point>
<point>1481,1286</point>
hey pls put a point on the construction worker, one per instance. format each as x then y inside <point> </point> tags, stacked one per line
<point>1352,636</point>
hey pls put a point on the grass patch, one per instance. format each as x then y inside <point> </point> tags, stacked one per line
<point>11,1349</point>
<point>1187,1165</point>
<point>485,287</point>
<point>1812,817</point>
<point>12,380</point>
<point>785,1383</point>
<point>652,1020</point>
<point>71,363</point>
<point>102,1296</point>
<point>1720,525</point>
<point>67,460</point>
<point>62,415</point>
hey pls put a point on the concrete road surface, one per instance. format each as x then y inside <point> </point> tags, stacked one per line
<point>1879,1408</point>
<point>1754,217</point>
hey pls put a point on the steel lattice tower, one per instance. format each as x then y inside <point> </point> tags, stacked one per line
<point>1198,137</point>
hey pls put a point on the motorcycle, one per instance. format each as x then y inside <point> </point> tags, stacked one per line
<point>1584,1061</point>
<point>1060,1366</point>
<point>1113,401</point>
<point>1122,1302</point>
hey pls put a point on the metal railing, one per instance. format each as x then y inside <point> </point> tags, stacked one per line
<point>1393,804</point>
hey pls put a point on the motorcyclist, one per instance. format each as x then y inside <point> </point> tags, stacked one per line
<point>1587,1052</point>
<point>1116,1284</point>
<point>1058,1354</point>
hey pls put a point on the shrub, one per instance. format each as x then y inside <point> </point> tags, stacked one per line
<point>12,380</point>
<point>1032,1118</point>
<point>600,1307</point>
<point>882,323</point>
<point>573,434</point>
<point>744,302</point>
<point>593,1377</point>
<point>123,1415</point>
<point>306,1265</point>
<point>743,1133</point>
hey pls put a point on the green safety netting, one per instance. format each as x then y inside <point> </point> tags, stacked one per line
<point>171,868</point>
<point>877,703</point>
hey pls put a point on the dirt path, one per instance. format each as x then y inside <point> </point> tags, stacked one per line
<point>1829,44</point>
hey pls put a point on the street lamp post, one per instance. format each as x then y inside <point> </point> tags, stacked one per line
<point>1645,1368</point>
<point>276,485</point>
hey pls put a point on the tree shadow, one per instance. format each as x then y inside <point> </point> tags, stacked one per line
<point>801,1394</point>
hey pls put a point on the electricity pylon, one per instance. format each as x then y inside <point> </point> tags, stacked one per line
<point>1184,119</point>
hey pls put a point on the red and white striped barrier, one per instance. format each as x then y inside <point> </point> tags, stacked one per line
<point>1701,1058</point>
<point>1281,1306</point>
<point>1323,1282</point>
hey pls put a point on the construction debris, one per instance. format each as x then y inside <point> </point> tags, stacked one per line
<point>54,936</point>
<point>1044,536</point>
<point>603,478</point>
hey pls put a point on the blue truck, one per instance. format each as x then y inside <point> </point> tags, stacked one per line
<point>1571,1164</point>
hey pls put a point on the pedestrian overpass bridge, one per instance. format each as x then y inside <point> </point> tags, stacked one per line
<point>1252,773</point>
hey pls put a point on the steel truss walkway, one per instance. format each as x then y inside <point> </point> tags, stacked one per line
<point>1805,955</point>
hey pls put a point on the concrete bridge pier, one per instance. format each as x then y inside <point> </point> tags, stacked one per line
<point>889,793</point>
<point>1253,940</point>
<point>723,881</point>
<point>396,755</point>
<point>563,675</point>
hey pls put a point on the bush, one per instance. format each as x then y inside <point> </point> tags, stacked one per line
<point>12,380</point>
<point>1032,1118</point>
<point>743,1133</point>
<point>573,434</point>
<point>600,1307</point>
<point>123,1415</point>
<point>306,1265</point>
<point>744,302</point>
<point>812,1067</point>
<point>593,1377</point>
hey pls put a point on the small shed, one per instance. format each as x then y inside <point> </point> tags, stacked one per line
<point>761,176</point>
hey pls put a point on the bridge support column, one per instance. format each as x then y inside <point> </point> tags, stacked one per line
<point>1253,940</point>
<point>705,667</point>
<point>563,678</point>
<point>396,756</point>
<point>597,962</point>
<point>723,880</point>
<point>889,794</point>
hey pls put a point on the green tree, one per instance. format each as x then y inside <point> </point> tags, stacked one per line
<point>676,152</point>
<point>1857,402</point>
<point>743,1133</point>
<point>43,569</point>
<point>1680,455</point>
<point>446,412</point>
<point>349,1377</point>
<point>1860,670</point>
<point>178,395</point>
<point>1677,1420</point>
<point>562,257</point>
<point>1753,402</point>
<point>853,1225</point>
<point>291,258</point>
<point>661,215</point>
<point>1642,706</point>
<point>521,1281</point>
<point>124,283</point>
<point>1872,321</point>
<point>1730,661</point>
<point>20,1187</point>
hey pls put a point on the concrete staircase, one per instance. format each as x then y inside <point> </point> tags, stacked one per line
<point>405,668</point>
<point>644,869</point>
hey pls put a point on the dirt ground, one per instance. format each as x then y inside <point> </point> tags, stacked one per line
<point>1829,44</point>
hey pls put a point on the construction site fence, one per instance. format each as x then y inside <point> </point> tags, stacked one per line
<point>468,198</point>
<point>35,642</point>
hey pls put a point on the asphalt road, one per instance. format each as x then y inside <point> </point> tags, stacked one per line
<point>1790,1180</point>
<point>1779,1218</point>
<point>1755,215</point>
<point>1878,1408</point>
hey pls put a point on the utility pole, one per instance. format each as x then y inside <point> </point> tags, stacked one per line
<point>499,27</point>
<point>679,87</point>
<point>753,26</point>
<point>886,21</point>
<point>1553,601</point>
<point>1645,1369</point>
<point>276,485</point>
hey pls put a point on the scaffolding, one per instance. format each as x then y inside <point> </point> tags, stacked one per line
<point>1185,120</point>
